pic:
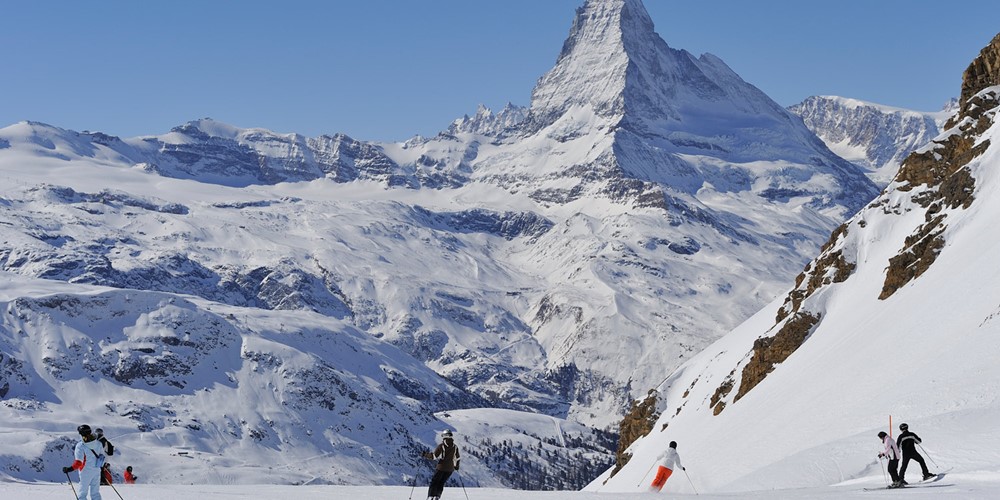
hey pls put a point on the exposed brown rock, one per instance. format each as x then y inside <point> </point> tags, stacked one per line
<point>983,72</point>
<point>919,252</point>
<point>943,169</point>
<point>769,351</point>
<point>637,423</point>
<point>716,403</point>
<point>933,167</point>
<point>830,267</point>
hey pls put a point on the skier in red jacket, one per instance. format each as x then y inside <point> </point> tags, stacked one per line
<point>106,476</point>
<point>129,477</point>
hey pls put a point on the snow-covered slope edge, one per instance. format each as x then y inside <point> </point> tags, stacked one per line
<point>898,317</point>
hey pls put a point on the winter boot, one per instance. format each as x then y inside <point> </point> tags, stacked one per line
<point>929,476</point>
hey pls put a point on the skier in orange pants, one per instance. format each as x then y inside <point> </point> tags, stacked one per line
<point>669,460</point>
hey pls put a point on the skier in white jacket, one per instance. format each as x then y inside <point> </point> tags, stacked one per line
<point>891,452</point>
<point>669,462</point>
<point>88,458</point>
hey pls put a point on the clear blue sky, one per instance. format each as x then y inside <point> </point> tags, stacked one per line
<point>389,69</point>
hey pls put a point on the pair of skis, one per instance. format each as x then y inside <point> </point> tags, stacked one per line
<point>922,484</point>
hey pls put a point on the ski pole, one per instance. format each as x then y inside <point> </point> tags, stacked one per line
<point>643,478</point>
<point>884,477</point>
<point>928,456</point>
<point>689,480</point>
<point>463,485</point>
<point>414,485</point>
<point>112,485</point>
<point>71,486</point>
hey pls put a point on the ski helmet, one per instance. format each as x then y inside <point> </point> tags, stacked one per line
<point>99,432</point>
<point>903,427</point>
<point>673,444</point>
<point>446,434</point>
<point>882,435</point>
<point>83,430</point>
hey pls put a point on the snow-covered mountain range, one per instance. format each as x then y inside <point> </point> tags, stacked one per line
<point>896,320</point>
<point>876,137</point>
<point>258,298</point>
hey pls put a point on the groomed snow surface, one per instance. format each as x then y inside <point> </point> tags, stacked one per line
<point>965,486</point>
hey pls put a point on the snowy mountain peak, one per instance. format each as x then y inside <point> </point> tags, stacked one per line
<point>207,127</point>
<point>590,70</point>
<point>486,122</point>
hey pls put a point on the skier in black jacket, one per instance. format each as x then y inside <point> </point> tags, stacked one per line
<point>109,449</point>
<point>908,442</point>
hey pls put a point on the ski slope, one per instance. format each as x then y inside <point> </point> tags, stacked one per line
<point>971,487</point>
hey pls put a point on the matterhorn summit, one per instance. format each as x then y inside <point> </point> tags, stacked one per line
<point>614,64</point>
<point>622,101</point>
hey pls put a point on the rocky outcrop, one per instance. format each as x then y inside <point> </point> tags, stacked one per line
<point>637,423</point>
<point>769,351</point>
<point>940,170</point>
<point>830,267</point>
<point>982,73</point>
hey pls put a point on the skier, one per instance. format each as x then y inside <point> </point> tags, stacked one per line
<point>908,441</point>
<point>109,449</point>
<point>448,458</point>
<point>669,460</point>
<point>891,452</point>
<point>88,458</point>
<point>129,477</point>
<point>106,477</point>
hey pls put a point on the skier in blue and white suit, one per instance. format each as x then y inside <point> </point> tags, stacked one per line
<point>88,458</point>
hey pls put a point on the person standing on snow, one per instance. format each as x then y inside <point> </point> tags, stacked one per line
<point>908,441</point>
<point>109,449</point>
<point>892,453</point>
<point>88,458</point>
<point>448,458</point>
<point>106,476</point>
<point>129,477</point>
<point>669,462</point>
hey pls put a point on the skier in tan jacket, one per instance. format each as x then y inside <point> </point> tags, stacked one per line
<point>448,458</point>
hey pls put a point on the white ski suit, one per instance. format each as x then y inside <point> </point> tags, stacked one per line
<point>88,458</point>
<point>670,459</point>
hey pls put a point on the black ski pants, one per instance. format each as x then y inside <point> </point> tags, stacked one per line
<point>916,458</point>
<point>893,463</point>
<point>437,483</point>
